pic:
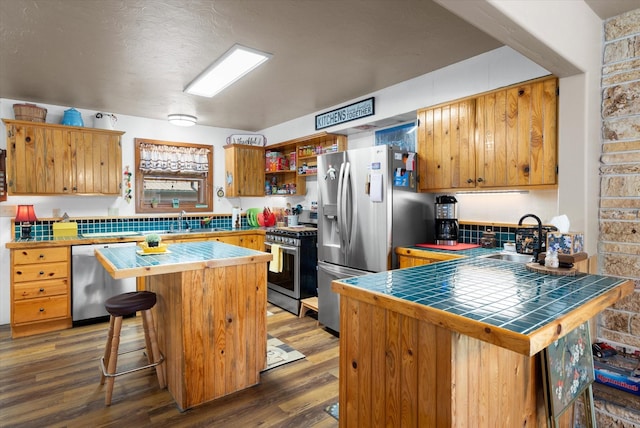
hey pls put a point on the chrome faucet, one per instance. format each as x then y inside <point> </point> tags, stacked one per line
<point>180,220</point>
<point>538,247</point>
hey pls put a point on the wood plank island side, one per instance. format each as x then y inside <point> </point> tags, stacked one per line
<point>399,366</point>
<point>211,322</point>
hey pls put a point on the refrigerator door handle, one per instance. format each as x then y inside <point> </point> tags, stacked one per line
<point>340,209</point>
<point>351,208</point>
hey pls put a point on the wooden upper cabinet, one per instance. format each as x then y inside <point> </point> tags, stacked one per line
<point>516,143</point>
<point>98,163</point>
<point>56,159</point>
<point>244,170</point>
<point>446,146</point>
<point>502,139</point>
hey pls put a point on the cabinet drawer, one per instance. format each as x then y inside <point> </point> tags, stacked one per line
<point>40,309</point>
<point>30,290</point>
<point>38,255</point>
<point>38,272</point>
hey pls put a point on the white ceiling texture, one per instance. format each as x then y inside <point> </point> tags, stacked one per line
<point>135,57</point>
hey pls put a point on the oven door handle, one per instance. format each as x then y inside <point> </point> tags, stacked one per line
<point>284,247</point>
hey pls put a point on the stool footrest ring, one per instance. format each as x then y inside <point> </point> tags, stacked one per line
<point>147,366</point>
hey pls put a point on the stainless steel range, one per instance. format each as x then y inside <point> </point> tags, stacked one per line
<point>298,277</point>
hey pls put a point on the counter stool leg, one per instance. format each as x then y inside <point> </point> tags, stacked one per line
<point>155,349</point>
<point>113,359</point>
<point>149,350</point>
<point>107,348</point>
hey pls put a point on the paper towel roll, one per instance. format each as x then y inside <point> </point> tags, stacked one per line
<point>235,218</point>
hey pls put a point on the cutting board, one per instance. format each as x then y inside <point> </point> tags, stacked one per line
<point>536,267</point>
<point>457,247</point>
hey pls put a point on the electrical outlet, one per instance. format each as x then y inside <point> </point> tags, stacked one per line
<point>8,210</point>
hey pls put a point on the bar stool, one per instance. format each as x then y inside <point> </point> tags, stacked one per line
<point>118,307</point>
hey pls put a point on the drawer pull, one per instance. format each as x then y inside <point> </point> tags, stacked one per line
<point>18,272</point>
<point>41,272</point>
<point>42,256</point>
<point>42,290</point>
<point>41,309</point>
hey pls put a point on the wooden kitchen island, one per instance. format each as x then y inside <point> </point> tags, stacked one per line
<point>210,315</point>
<point>457,343</point>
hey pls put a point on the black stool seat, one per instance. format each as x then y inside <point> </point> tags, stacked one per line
<point>130,303</point>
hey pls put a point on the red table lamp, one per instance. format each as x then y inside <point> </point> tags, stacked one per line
<point>27,215</point>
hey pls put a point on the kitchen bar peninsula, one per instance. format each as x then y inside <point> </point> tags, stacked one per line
<point>211,314</point>
<point>457,343</point>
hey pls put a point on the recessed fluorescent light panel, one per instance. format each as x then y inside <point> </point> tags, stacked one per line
<point>235,63</point>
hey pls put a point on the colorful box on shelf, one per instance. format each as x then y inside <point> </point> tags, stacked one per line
<point>618,372</point>
<point>69,228</point>
<point>565,243</point>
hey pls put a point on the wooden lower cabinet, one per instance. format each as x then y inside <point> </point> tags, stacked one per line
<point>212,329</point>
<point>398,370</point>
<point>40,290</point>
<point>409,257</point>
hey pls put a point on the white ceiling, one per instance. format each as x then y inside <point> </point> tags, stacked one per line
<point>135,57</point>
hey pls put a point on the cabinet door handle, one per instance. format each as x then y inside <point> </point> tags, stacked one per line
<point>18,272</point>
<point>469,180</point>
<point>480,180</point>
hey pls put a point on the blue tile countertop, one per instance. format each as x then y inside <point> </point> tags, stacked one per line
<point>492,300</point>
<point>126,262</point>
<point>133,236</point>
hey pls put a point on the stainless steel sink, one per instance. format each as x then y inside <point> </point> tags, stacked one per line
<point>183,231</point>
<point>510,257</point>
<point>149,232</point>
<point>202,230</point>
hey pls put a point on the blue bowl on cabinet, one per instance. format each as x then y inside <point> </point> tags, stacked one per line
<point>72,117</point>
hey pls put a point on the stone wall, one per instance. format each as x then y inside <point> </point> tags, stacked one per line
<point>619,219</point>
<point>619,241</point>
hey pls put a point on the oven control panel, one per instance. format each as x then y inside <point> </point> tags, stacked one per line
<point>286,240</point>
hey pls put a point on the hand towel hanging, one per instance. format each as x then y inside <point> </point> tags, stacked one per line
<point>275,265</point>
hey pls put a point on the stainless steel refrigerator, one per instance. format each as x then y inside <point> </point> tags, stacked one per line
<point>367,206</point>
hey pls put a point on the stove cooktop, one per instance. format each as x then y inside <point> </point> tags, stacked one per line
<point>295,231</point>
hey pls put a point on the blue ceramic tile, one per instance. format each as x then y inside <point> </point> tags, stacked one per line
<point>497,293</point>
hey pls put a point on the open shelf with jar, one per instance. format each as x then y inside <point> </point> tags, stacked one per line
<point>281,178</point>
<point>315,145</point>
<point>289,163</point>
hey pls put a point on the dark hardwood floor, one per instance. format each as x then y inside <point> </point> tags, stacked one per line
<point>53,380</point>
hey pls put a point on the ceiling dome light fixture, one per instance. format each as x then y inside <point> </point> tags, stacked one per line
<point>182,119</point>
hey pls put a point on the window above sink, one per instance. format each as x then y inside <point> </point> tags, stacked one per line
<point>171,177</point>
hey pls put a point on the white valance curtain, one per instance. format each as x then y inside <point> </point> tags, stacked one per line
<point>174,159</point>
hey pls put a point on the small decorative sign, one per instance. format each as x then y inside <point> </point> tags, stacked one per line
<point>247,139</point>
<point>348,113</point>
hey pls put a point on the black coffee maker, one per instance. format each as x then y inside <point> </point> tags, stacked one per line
<point>446,220</point>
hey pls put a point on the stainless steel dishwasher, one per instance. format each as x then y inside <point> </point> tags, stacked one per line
<point>92,285</point>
